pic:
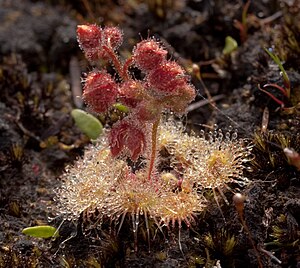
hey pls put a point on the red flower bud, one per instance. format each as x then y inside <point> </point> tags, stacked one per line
<point>179,103</point>
<point>148,54</point>
<point>127,138</point>
<point>148,110</point>
<point>131,93</point>
<point>167,78</point>
<point>113,36</point>
<point>100,91</point>
<point>90,38</point>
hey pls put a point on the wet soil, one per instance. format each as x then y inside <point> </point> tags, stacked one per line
<point>40,68</point>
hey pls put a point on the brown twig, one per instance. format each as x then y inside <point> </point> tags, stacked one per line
<point>202,103</point>
<point>265,120</point>
<point>269,254</point>
<point>75,74</point>
<point>23,129</point>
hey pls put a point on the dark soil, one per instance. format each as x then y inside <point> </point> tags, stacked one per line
<point>40,69</point>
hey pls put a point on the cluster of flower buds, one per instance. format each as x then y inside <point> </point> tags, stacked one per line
<point>95,41</point>
<point>165,86</point>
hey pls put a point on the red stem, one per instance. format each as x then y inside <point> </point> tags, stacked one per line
<point>116,62</point>
<point>281,103</point>
<point>284,91</point>
<point>126,66</point>
<point>153,149</point>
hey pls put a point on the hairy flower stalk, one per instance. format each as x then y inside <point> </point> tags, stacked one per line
<point>120,176</point>
<point>153,148</point>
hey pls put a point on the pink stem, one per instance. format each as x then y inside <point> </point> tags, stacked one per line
<point>281,103</point>
<point>153,149</point>
<point>115,61</point>
<point>126,66</point>
<point>284,92</point>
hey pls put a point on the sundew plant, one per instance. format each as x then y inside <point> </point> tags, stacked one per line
<point>121,175</point>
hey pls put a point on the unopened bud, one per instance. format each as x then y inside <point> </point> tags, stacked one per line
<point>131,93</point>
<point>89,39</point>
<point>127,138</point>
<point>113,36</point>
<point>179,103</point>
<point>148,54</point>
<point>100,91</point>
<point>293,157</point>
<point>239,200</point>
<point>168,78</point>
<point>148,110</point>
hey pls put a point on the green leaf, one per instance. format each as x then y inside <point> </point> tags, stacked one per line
<point>44,231</point>
<point>87,123</point>
<point>122,108</point>
<point>230,45</point>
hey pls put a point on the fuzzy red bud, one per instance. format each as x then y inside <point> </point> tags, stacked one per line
<point>127,138</point>
<point>148,54</point>
<point>89,38</point>
<point>179,103</point>
<point>168,78</point>
<point>131,93</point>
<point>148,110</point>
<point>100,91</point>
<point>113,36</point>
